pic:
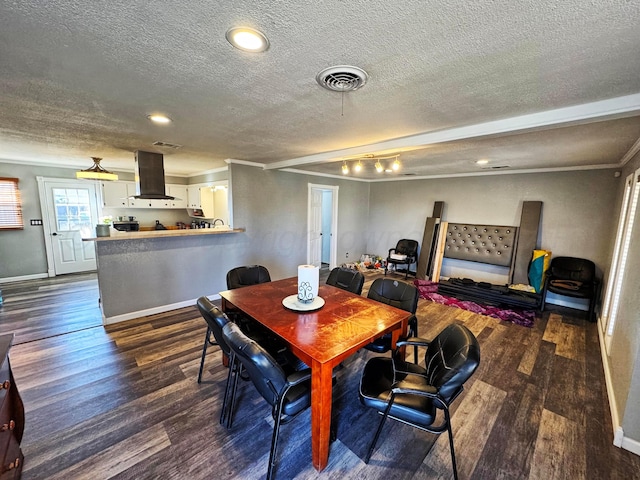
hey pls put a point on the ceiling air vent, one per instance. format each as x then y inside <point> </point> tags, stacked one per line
<point>175,146</point>
<point>497,167</point>
<point>342,78</point>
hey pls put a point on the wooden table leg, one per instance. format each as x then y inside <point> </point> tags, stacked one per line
<point>397,334</point>
<point>321,398</point>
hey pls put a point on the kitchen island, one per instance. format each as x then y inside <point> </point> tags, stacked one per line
<point>149,272</point>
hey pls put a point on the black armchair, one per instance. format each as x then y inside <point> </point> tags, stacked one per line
<point>288,395</point>
<point>400,295</point>
<point>573,277</point>
<point>346,279</point>
<point>414,395</point>
<point>405,253</point>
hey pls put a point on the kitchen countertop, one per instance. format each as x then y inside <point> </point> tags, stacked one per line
<point>117,235</point>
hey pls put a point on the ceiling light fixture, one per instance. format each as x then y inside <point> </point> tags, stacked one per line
<point>247,39</point>
<point>482,162</point>
<point>96,172</point>
<point>159,118</point>
<point>358,167</point>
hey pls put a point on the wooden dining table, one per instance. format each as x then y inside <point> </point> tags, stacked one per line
<point>322,338</point>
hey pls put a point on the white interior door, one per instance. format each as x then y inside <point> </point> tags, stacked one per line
<point>315,227</point>
<point>71,213</point>
<point>317,195</point>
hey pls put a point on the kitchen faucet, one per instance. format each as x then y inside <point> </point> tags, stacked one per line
<point>216,220</point>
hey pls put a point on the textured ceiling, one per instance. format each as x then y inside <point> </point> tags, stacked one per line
<point>528,85</point>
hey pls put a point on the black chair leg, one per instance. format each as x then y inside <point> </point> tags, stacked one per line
<point>204,353</point>
<point>378,431</point>
<point>237,370</point>
<point>274,442</point>
<point>231,378</point>
<point>453,453</point>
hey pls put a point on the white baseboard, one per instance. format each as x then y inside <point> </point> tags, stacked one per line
<point>23,278</point>
<point>619,440</point>
<point>151,311</point>
<point>631,445</point>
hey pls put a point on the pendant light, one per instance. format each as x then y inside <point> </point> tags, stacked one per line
<point>345,168</point>
<point>96,172</point>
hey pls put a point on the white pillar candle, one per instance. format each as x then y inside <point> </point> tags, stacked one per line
<point>308,282</point>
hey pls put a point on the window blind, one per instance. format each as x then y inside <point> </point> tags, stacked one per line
<point>10,205</point>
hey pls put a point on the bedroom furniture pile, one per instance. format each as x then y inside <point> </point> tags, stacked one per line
<point>505,246</point>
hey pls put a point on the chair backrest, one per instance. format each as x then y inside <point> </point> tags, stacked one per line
<point>571,268</point>
<point>395,293</point>
<point>407,247</point>
<point>451,358</point>
<point>346,279</point>
<point>265,373</point>
<point>216,320</point>
<point>247,275</point>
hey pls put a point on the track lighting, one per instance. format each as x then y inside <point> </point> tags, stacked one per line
<point>359,166</point>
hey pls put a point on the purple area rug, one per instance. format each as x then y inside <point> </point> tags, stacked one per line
<point>429,291</point>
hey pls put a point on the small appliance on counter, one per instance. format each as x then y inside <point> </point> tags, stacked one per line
<point>126,225</point>
<point>160,226</point>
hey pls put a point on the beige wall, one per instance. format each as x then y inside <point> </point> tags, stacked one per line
<point>578,212</point>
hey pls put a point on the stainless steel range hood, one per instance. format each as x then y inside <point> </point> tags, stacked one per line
<point>150,176</point>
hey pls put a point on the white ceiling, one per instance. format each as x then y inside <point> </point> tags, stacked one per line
<point>528,85</point>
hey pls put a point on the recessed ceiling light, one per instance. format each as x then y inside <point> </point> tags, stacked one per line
<point>159,118</point>
<point>247,39</point>
<point>482,162</point>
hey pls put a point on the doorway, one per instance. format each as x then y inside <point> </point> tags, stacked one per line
<point>322,225</point>
<point>70,213</point>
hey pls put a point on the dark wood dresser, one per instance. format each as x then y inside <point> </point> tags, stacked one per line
<point>11,416</point>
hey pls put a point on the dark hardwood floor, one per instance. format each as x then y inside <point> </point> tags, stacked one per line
<point>122,402</point>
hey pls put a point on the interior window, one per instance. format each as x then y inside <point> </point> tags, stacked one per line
<point>10,205</point>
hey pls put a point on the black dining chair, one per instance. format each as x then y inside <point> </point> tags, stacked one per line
<point>346,279</point>
<point>404,253</point>
<point>400,295</point>
<point>420,396</point>
<point>216,320</point>
<point>288,394</point>
<point>245,276</point>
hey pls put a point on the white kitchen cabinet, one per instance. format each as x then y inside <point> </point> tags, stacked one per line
<point>193,197</point>
<point>114,195</point>
<point>181,196</point>
<point>119,195</point>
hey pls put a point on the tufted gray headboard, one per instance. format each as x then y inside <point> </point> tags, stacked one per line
<point>481,243</point>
